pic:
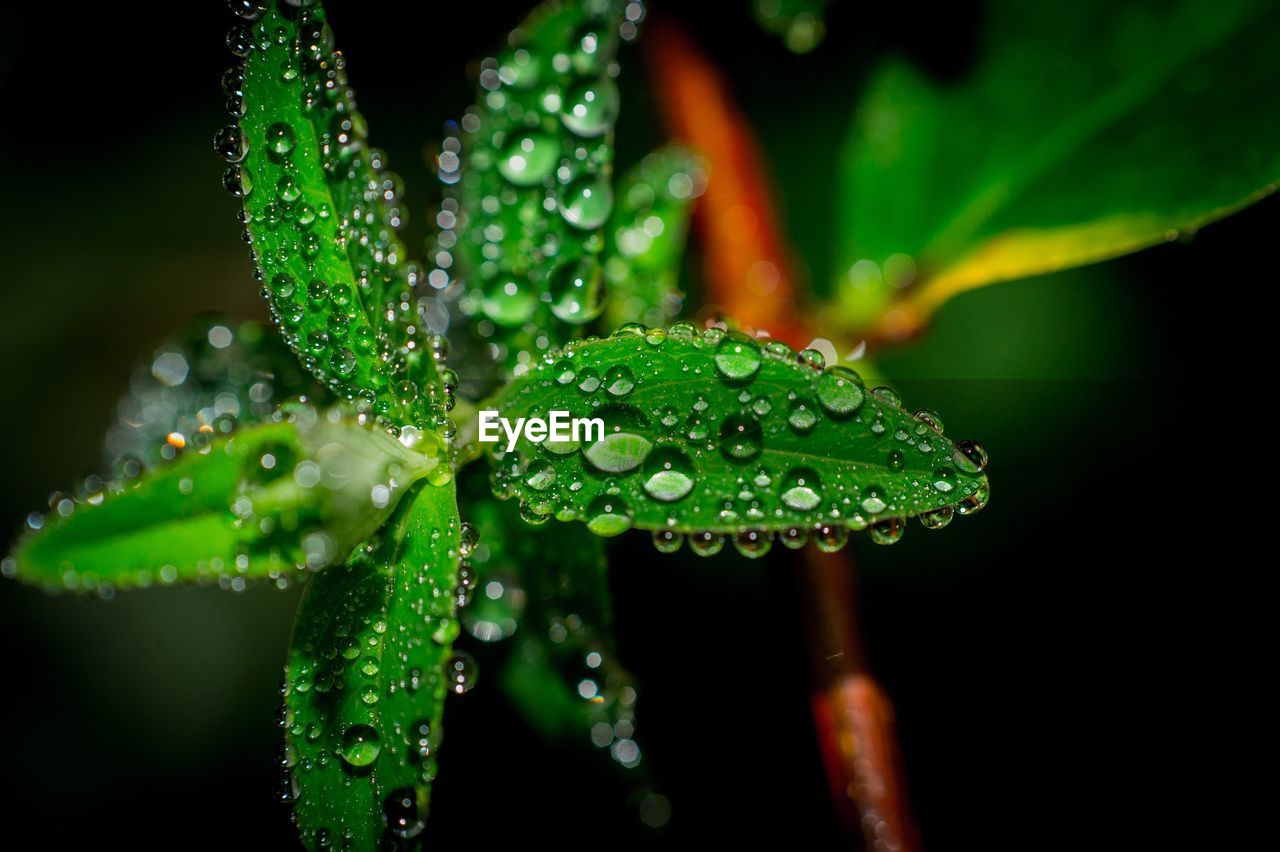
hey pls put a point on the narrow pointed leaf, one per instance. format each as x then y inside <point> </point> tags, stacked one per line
<point>717,433</point>
<point>265,502</point>
<point>530,177</point>
<point>1086,131</point>
<point>647,237</point>
<point>322,213</point>
<point>367,679</point>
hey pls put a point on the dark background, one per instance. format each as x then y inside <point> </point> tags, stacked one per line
<point>1040,655</point>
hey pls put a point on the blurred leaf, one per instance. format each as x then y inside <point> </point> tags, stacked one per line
<point>213,374</point>
<point>322,212</point>
<point>1085,131</point>
<point>531,177</point>
<point>368,673</point>
<point>546,588</point>
<point>266,501</point>
<point>714,434</point>
<point>647,237</point>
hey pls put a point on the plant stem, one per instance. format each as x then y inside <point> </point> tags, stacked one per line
<point>851,711</point>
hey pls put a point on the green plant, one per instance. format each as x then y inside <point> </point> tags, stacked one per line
<point>356,471</point>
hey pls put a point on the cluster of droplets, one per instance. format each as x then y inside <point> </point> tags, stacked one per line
<point>646,237</point>
<point>704,438</point>
<point>528,178</point>
<point>332,266</point>
<point>353,678</point>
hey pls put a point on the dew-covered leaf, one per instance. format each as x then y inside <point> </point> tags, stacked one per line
<point>646,237</point>
<point>369,668</point>
<point>1085,131</point>
<point>712,434</point>
<point>529,177</point>
<point>322,213</point>
<point>213,374</point>
<point>262,503</point>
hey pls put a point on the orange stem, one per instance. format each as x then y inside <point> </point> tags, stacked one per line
<point>748,276</point>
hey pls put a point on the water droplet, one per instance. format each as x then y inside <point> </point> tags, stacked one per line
<point>706,543</point>
<point>529,158</point>
<point>737,358</point>
<point>588,380</point>
<point>803,416</point>
<point>587,202</point>
<point>619,381</point>
<point>794,537</point>
<point>829,538</point>
<point>403,813</point>
<point>577,290</point>
<point>591,107</point>
<point>461,672</point>
<point>669,475</point>
<point>970,457</point>
<point>753,543</point>
<point>360,746</point>
<point>937,518</point>
<point>887,531</point>
<point>802,490</point>
<point>667,541</point>
<point>280,141</point>
<point>618,452</point>
<point>840,391</point>
<point>975,502</point>
<point>508,302</point>
<point>608,516</point>
<point>230,144</point>
<point>740,436</point>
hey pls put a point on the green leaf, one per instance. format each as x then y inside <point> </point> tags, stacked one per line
<point>530,178</point>
<point>563,674</point>
<point>647,237</point>
<point>1086,131</point>
<point>368,672</point>
<point>718,433</point>
<point>213,374</point>
<point>322,213</point>
<point>263,503</point>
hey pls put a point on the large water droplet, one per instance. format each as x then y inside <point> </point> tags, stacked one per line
<point>802,490</point>
<point>280,141</point>
<point>577,290</point>
<point>529,158</point>
<point>360,746</point>
<point>618,452</point>
<point>587,202</point>
<point>740,436</point>
<point>669,475</point>
<point>840,391</point>
<point>608,516</point>
<point>591,107</point>
<point>404,813</point>
<point>970,457</point>
<point>737,358</point>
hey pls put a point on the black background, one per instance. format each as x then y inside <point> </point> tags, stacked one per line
<point>1042,656</point>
